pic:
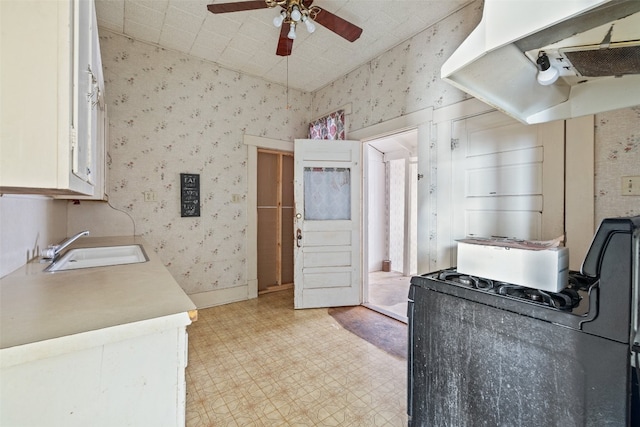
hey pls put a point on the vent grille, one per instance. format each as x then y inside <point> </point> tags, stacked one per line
<point>605,62</point>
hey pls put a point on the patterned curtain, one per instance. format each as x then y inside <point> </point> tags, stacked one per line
<point>329,127</point>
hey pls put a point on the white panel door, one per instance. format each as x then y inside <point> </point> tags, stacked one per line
<point>508,178</point>
<point>327,225</point>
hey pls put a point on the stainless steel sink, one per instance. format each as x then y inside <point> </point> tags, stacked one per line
<point>99,257</point>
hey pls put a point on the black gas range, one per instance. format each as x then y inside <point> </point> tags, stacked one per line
<point>569,307</point>
<point>483,352</point>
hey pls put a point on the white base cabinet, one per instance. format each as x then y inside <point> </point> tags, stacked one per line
<point>127,375</point>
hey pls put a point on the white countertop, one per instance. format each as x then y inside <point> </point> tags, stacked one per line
<point>37,306</point>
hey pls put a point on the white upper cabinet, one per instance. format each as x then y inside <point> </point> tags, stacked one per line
<point>51,90</point>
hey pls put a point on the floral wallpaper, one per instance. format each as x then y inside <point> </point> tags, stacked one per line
<point>170,113</point>
<point>404,79</point>
<point>396,191</point>
<point>617,154</point>
<point>407,79</point>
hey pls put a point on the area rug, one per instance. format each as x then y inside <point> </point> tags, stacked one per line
<point>382,331</point>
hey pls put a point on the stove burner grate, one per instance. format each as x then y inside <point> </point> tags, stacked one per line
<point>476,282</point>
<point>566,299</point>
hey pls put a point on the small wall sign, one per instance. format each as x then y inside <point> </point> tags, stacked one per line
<point>189,194</point>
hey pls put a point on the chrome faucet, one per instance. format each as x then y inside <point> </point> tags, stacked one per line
<point>52,252</point>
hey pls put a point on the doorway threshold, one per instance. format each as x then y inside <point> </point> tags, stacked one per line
<point>275,288</point>
<point>386,312</point>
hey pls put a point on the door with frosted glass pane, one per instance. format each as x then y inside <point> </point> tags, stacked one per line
<point>327,181</point>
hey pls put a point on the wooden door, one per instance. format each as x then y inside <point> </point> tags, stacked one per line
<point>508,178</point>
<point>327,228</point>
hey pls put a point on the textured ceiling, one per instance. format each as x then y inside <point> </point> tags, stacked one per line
<point>246,41</point>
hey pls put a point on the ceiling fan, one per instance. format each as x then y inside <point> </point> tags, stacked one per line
<point>293,13</point>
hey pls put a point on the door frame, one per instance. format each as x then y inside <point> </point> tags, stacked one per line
<point>279,225</point>
<point>419,120</point>
<point>251,239</point>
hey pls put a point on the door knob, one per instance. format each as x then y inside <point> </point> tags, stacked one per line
<point>298,215</point>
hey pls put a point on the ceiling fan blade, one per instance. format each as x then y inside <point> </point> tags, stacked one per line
<point>338,25</point>
<point>237,6</point>
<point>285,44</point>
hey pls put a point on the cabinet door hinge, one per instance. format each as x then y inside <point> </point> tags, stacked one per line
<point>73,136</point>
<point>455,143</point>
<point>74,150</point>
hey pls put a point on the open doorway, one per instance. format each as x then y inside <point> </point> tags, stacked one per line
<point>391,222</point>
<point>274,220</point>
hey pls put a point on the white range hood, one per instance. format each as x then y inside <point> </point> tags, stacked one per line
<point>594,44</point>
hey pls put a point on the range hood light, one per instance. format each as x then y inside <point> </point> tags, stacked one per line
<point>498,62</point>
<point>547,74</point>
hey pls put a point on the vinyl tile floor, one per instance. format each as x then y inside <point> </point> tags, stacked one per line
<point>262,363</point>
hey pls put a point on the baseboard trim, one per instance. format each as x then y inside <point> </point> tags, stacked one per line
<point>220,296</point>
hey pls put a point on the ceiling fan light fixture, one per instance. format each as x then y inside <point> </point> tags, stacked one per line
<point>290,14</point>
<point>278,20</point>
<point>292,31</point>
<point>309,23</point>
<point>295,14</point>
